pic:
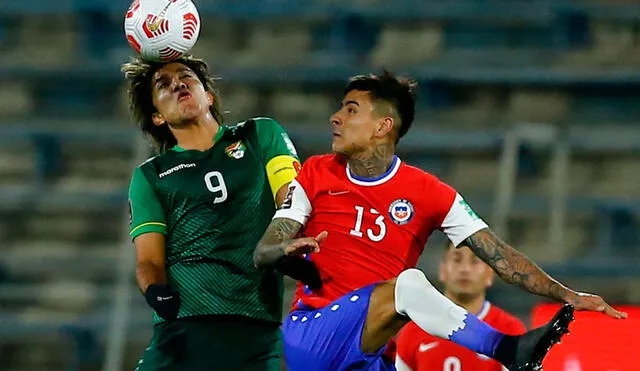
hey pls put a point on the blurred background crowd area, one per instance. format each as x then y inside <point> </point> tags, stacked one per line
<point>529,108</point>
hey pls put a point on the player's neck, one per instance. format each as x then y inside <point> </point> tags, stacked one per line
<point>472,305</point>
<point>372,163</point>
<point>198,135</point>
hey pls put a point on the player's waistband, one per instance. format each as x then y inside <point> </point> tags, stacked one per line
<point>310,303</point>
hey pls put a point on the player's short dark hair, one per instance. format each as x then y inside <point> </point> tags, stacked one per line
<point>397,91</point>
<point>139,73</point>
<point>448,245</point>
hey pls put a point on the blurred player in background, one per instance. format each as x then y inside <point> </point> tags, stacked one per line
<point>372,214</point>
<point>466,279</point>
<point>197,211</point>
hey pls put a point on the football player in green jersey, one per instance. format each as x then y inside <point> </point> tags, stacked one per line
<point>197,211</point>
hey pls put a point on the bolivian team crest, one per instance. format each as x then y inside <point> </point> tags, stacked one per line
<point>236,150</point>
<point>401,211</point>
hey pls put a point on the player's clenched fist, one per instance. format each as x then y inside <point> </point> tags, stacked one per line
<point>590,302</point>
<point>164,300</point>
<point>305,245</point>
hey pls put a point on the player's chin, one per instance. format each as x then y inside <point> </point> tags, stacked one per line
<point>468,294</point>
<point>463,290</point>
<point>189,113</point>
<point>337,148</point>
<point>189,107</point>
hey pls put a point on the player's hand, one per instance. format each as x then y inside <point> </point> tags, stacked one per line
<point>594,303</point>
<point>165,301</point>
<point>305,245</point>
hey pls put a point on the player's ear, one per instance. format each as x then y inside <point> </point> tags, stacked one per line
<point>385,126</point>
<point>158,119</point>
<point>210,98</point>
<point>442,276</point>
<point>490,276</point>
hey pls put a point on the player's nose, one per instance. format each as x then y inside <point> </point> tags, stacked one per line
<point>335,120</point>
<point>179,85</point>
<point>465,269</point>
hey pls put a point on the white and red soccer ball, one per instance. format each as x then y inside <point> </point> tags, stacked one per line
<point>162,30</point>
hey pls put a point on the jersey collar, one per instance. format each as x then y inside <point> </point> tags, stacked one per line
<point>393,169</point>
<point>486,306</point>
<point>221,130</point>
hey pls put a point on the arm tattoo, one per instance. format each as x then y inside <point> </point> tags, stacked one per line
<point>270,249</point>
<point>514,267</point>
<point>280,230</point>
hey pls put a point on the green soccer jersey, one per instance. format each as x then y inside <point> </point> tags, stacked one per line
<point>213,207</point>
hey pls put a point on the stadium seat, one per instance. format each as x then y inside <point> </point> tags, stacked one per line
<point>275,44</point>
<point>401,45</point>
<point>15,99</point>
<point>45,40</point>
<point>529,105</point>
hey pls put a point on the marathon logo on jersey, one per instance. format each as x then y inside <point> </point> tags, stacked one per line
<point>401,211</point>
<point>236,150</point>
<point>174,169</point>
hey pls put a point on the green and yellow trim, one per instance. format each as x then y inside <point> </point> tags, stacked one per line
<point>148,227</point>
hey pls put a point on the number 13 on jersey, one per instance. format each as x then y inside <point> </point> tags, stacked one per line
<point>374,235</point>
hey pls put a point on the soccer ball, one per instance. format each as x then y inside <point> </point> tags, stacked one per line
<point>162,30</point>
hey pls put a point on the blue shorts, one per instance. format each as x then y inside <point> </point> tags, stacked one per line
<point>328,339</point>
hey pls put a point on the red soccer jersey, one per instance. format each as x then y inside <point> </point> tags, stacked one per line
<point>377,227</point>
<point>420,351</point>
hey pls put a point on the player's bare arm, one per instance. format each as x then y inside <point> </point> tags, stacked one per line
<point>150,256</point>
<point>152,276</point>
<point>279,249</point>
<point>279,241</point>
<point>514,267</point>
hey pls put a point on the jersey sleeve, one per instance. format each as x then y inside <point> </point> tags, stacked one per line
<point>145,212</point>
<point>461,221</point>
<point>458,220</point>
<point>278,153</point>
<point>298,202</point>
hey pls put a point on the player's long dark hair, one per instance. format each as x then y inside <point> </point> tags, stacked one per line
<point>397,91</point>
<point>139,73</point>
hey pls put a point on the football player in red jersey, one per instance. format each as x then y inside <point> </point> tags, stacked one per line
<point>466,279</point>
<point>362,216</point>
